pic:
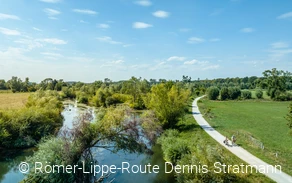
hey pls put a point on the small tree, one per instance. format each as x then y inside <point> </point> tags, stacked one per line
<point>246,94</point>
<point>224,93</point>
<point>213,93</point>
<point>234,93</point>
<point>259,94</point>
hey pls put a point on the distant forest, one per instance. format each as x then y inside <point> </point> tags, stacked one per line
<point>276,82</point>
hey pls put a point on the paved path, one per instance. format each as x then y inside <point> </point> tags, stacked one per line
<point>270,171</point>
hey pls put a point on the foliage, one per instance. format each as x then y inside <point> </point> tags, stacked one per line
<point>259,94</point>
<point>168,104</point>
<point>246,94</point>
<point>234,93</point>
<point>173,148</point>
<point>213,93</point>
<point>276,83</point>
<point>224,94</point>
<point>151,126</point>
<point>26,126</point>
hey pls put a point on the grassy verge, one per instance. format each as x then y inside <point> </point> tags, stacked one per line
<point>260,127</point>
<point>202,149</point>
<point>13,100</point>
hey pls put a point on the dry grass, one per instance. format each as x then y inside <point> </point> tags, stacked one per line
<point>13,100</point>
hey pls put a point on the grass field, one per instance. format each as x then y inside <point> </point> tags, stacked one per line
<point>263,120</point>
<point>13,100</point>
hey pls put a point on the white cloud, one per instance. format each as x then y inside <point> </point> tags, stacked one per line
<point>280,53</point>
<point>64,30</point>
<point>117,62</point>
<point>9,32</point>
<point>85,11</point>
<point>191,62</point>
<point>195,40</point>
<point>285,15</point>
<point>108,39</point>
<point>203,65</point>
<point>113,63</point>
<point>7,16</point>
<point>51,1</point>
<point>34,28</point>
<point>51,54</point>
<point>176,58</point>
<point>143,3</point>
<point>84,22</point>
<point>29,43</point>
<point>211,67</point>
<point>215,40</point>
<point>53,41</point>
<point>141,25</point>
<point>51,12</point>
<point>184,30</point>
<point>247,30</point>
<point>104,26</point>
<point>127,45</point>
<point>161,14</point>
<point>280,45</point>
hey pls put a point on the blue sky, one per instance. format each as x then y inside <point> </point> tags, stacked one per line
<point>93,39</point>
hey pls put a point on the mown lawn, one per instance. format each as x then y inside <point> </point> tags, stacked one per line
<point>263,120</point>
<point>13,100</point>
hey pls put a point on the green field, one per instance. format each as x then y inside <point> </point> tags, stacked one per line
<point>261,119</point>
<point>13,100</point>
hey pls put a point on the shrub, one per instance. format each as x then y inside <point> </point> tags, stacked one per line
<point>246,94</point>
<point>224,93</point>
<point>234,93</point>
<point>259,94</point>
<point>213,93</point>
<point>172,146</point>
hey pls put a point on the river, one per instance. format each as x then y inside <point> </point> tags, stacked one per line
<point>9,160</point>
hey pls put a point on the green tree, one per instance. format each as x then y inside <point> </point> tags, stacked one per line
<point>259,94</point>
<point>276,82</point>
<point>224,94</point>
<point>234,93</point>
<point>246,94</point>
<point>168,104</point>
<point>213,93</point>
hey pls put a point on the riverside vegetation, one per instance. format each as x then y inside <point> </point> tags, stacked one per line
<point>165,120</point>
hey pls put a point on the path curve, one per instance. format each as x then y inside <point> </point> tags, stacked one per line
<point>270,171</point>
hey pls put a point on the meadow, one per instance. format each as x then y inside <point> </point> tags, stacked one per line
<point>9,100</point>
<point>259,125</point>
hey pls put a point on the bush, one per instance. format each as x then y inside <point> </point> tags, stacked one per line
<point>172,146</point>
<point>234,93</point>
<point>283,96</point>
<point>82,98</point>
<point>213,93</point>
<point>25,127</point>
<point>246,94</point>
<point>259,94</point>
<point>224,93</point>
